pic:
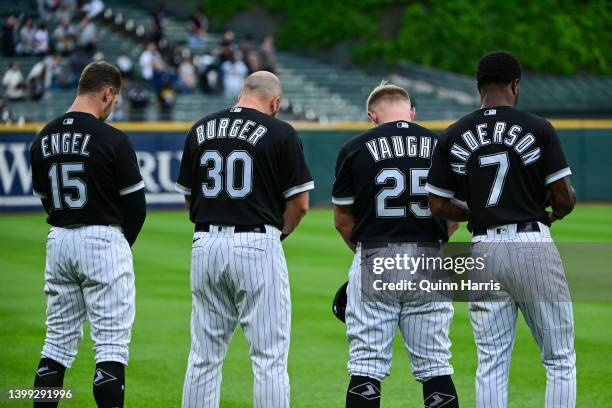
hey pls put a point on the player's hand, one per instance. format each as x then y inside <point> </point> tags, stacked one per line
<point>552,217</point>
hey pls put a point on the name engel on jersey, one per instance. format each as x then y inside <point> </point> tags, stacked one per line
<point>390,147</point>
<point>238,128</point>
<point>64,143</point>
<point>501,134</point>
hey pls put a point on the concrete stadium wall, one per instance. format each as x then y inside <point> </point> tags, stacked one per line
<point>587,144</point>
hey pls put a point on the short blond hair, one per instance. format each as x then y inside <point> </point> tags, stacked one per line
<point>386,92</point>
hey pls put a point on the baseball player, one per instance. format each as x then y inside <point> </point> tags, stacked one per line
<point>379,197</point>
<point>86,175</point>
<point>505,163</point>
<point>246,183</point>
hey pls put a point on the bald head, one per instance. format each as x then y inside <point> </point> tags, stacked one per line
<point>261,90</point>
<point>263,82</point>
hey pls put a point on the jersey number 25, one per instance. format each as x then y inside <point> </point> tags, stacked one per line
<point>398,178</point>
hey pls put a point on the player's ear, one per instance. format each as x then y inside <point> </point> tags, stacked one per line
<point>373,116</point>
<point>107,94</point>
<point>515,86</point>
<point>275,105</point>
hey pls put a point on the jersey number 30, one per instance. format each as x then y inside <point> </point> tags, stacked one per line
<point>213,161</point>
<point>417,178</point>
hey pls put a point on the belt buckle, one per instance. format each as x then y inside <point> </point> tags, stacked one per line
<point>501,230</point>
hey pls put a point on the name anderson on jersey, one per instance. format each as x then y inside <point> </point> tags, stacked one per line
<point>239,129</point>
<point>480,137</point>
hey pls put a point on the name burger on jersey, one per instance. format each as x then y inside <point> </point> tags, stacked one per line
<point>237,128</point>
<point>500,134</point>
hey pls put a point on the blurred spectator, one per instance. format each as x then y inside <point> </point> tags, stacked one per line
<point>41,39</point>
<point>267,53</point>
<point>46,8</point>
<point>26,37</point>
<point>208,71</point>
<point>66,10</point>
<point>5,114</point>
<point>149,58</point>
<point>158,20</point>
<point>13,83</point>
<point>78,61</point>
<point>64,36</point>
<point>234,71</point>
<point>197,26</point>
<point>9,34</point>
<point>187,76</point>
<point>88,35</point>
<point>124,63</point>
<point>37,81</point>
<point>138,100</point>
<point>227,47</point>
<point>249,56</point>
<point>166,99</point>
<point>93,8</point>
<point>57,76</point>
<point>98,56</point>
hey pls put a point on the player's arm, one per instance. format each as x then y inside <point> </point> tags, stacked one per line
<point>295,209</point>
<point>37,185</point>
<point>184,181</point>
<point>132,201</point>
<point>557,172</point>
<point>441,187</point>
<point>344,220</point>
<point>295,181</point>
<point>343,197</point>
<point>443,207</point>
<point>563,198</point>
<point>134,210</point>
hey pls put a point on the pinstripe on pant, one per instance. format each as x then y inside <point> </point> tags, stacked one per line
<point>89,274</point>
<point>521,265</point>
<point>238,278</point>
<point>371,328</point>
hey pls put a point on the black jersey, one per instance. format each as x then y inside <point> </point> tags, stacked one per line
<point>240,166</point>
<point>500,161</point>
<point>382,174</point>
<point>81,166</point>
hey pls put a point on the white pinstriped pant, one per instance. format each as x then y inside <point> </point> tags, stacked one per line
<point>238,278</point>
<point>512,259</point>
<point>89,274</point>
<point>371,328</point>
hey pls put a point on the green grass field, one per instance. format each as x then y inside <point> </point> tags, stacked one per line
<point>318,264</point>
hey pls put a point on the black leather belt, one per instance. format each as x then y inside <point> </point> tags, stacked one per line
<point>206,227</point>
<point>377,245</point>
<point>520,227</point>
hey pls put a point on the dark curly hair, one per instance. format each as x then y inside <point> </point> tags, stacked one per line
<point>498,67</point>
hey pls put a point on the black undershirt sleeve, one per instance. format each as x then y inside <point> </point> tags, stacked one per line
<point>133,208</point>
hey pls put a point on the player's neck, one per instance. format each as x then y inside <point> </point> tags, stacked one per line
<point>251,103</point>
<point>495,99</point>
<point>83,104</point>
<point>400,116</point>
